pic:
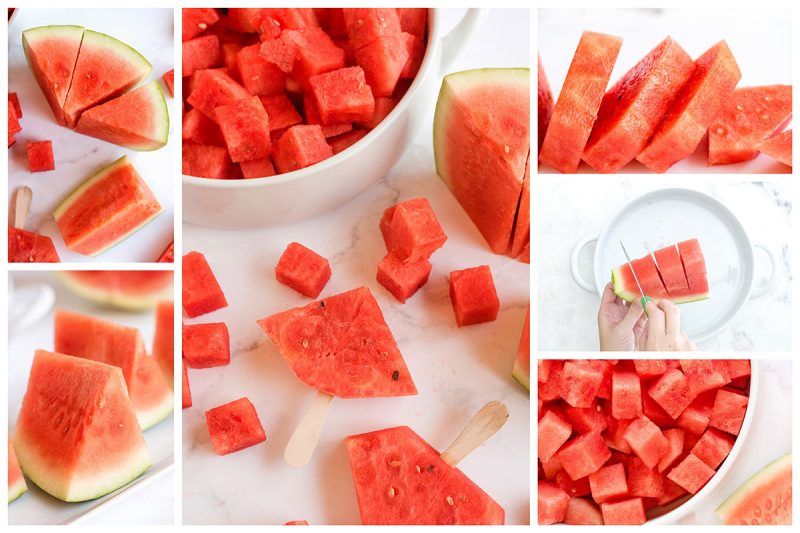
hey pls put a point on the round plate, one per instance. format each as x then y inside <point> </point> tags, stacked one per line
<point>667,216</point>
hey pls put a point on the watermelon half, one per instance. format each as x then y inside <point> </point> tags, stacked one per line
<point>106,208</point>
<point>778,147</point>
<point>134,290</point>
<point>63,436</point>
<point>481,140</point>
<point>764,499</point>
<point>138,120</point>
<point>16,482</point>
<point>401,480</point>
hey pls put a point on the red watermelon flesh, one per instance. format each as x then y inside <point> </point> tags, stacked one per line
<point>624,512</point>
<point>245,128</point>
<point>366,25</point>
<point>582,512</point>
<point>186,392</point>
<point>670,266</point>
<point>675,438</point>
<point>234,426</point>
<point>522,363</point>
<point>303,270</point>
<point>200,129</point>
<point>201,292</point>
<point>644,481</point>
<point>579,101</point>
<point>300,147</point>
<point>342,96</point>
<point>52,52</point>
<point>28,247</point>
<point>401,480</point>
<point>206,161</point>
<point>694,265</point>
<point>553,432</point>
<point>164,340</point>
<point>691,474</point>
<point>697,105</point>
<point>552,503</point>
<point>411,230</point>
<point>168,255</point>
<point>402,279</point>
<point>16,482</point>
<point>778,147</point>
<point>713,447</point>
<point>765,498</point>
<point>749,116</point>
<point>608,483</point>
<point>200,53</point>
<point>105,69</point>
<point>728,412</point>
<point>671,392</point>
<point>342,346</point>
<point>281,112</point>
<point>315,53</point>
<point>473,295</point>
<point>206,345</point>
<point>647,441</point>
<point>213,88</point>
<point>345,140</point>
<point>258,75</point>
<point>383,62</point>
<point>545,103</point>
<point>40,156</point>
<point>296,523</point>
<point>579,384</point>
<point>583,455</point>
<point>196,20</point>
<point>632,108</point>
<point>521,235</point>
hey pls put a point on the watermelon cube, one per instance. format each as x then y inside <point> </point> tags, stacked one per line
<point>705,374</point>
<point>578,487</point>
<point>40,156</point>
<point>694,418</point>
<point>258,75</point>
<point>551,503</point>
<point>280,52</point>
<point>294,18</point>
<point>186,394</point>
<point>646,441</point>
<point>615,436</point>
<point>245,127</point>
<point>383,106</point>
<point>257,168</point>
<point>675,438</point>
<point>649,368</point>
<point>553,432</point>
<point>548,390</point>
<point>196,21</point>
<point>582,512</point>
<point>713,447</point>
<point>234,426</point>
<point>579,384</point>
<point>624,512</point>
<point>230,58</point>
<point>383,61</point>
<point>345,140</point>
<point>672,491</point>
<point>601,366</point>
<point>342,96</point>
<point>282,113</point>
<point>608,483</point>
<point>28,247</point>
<point>691,474</point>
<point>412,231</point>
<point>246,20</point>
<point>402,279</point>
<point>652,410</point>
<point>413,20</point>
<point>303,270</point>
<point>583,455</point>
<point>300,147</point>
<point>728,411</point>
<point>169,81</point>
<point>416,53</point>
<point>14,99</point>
<point>199,129</point>
<point>586,419</point>
<point>552,467</point>
<point>644,481</point>
<point>543,367</point>
<point>206,161</point>
<point>201,292</point>
<point>366,25</point>
<point>312,117</point>
<point>473,295</point>
<point>213,88</point>
<point>315,53</point>
<point>201,53</point>
<point>694,265</point>
<point>206,345</point>
<point>626,395</point>
<point>738,368</point>
<point>671,392</point>
<point>13,122</point>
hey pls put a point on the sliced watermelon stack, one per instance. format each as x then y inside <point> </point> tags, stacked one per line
<point>620,440</point>
<point>281,89</point>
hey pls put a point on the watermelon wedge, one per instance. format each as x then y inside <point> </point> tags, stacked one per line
<point>16,483</point>
<point>63,439</point>
<point>633,107</point>
<point>28,247</point>
<point>52,52</point>
<point>579,101</point>
<point>670,266</point>
<point>750,116</point>
<point>545,103</point>
<point>685,124</point>
<point>134,290</point>
<point>694,264</point>
<point>522,364</point>
<point>138,120</point>
<point>342,346</point>
<point>485,167</point>
<point>764,499</point>
<point>646,272</point>
<point>778,147</point>
<point>401,480</point>
<point>106,208</point>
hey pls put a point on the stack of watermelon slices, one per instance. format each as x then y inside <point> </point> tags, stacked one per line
<point>273,90</point>
<point>636,437</point>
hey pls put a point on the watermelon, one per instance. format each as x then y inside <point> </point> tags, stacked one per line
<point>765,498</point>
<point>694,418</point>
<point>168,255</point>
<point>631,110</point>
<point>694,109</point>
<point>705,375</point>
<point>624,512</point>
<point>675,439</point>
<point>383,106</point>
<point>200,53</point>
<point>169,81</point>
<point>671,392</point>
<point>521,234</point>
<point>579,101</point>
<point>245,128</point>
<point>315,53</point>
<point>728,411</point>
<point>200,129</point>
<point>28,247</point>
<point>750,116</point>
<point>343,141</point>
<point>138,120</point>
<point>52,52</point>
<point>300,147</point>
<point>164,340</point>
<point>552,503</point>
<point>486,168</point>
<point>342,95</point>
<point>402,279</point>
<point>280,52</point>
<point>296,523</point>
<point>644,481</point>
<point>411,230</point>
<point>303,270</point>
<point>206,345</point>
<point>62,436</point>
<point>545,103</point>
<point>16,483</point>
<point>212,88</point>
<point>646,441</point>
<point>583,455</point>
<point>608,483</point>
<point>778,147</point>
<point>582,512</point>
<point>522,363</point>
<point>365,25</point>
<point>257,168</point>
<point>13,124</point>
<point>342,346</point>
<point>670,267</point>
<point>258,75</point>
<point>713,447</point>
<point>40,156</point>
<point>281,111</point>
<point>626,395</point>
<point>234,426</point>
<point>207,161</point>
<point>14,99</point>
<point>384,61</point>
<point>691,474</point>
<point>694,265</point>
<point>197,20</point>
<point>579,384</point>
<point>106,342</point>
<point>553,432</point>
<point>186,392</point>
<point>473,295</point>
<point>401,480</point>
<point>133,290</point>
<point>201,292</point>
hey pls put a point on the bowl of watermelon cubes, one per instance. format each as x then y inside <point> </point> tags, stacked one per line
<point>635,441</point>
<point>290,112</point>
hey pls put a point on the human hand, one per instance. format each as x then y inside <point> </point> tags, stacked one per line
<point>663,331</point>
<point>619,323</point>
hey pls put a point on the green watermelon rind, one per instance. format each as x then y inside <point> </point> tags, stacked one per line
<point>111,299</point>
<point>632,294</point>
<point>759,481</point>
<point>17,489</point>
<point>151,417</point>
<point>522,377</point>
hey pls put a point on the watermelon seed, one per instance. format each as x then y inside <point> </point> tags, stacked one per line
<point>395,375</point>
<point>720,131</point>
<point>395,463</point>
<point>202,25</point>
<point>305,343</point>
<point>764,117</point>
<point>391,492</point>
<point>507,148</point>
<point>419,470</point>
<point>430,468</point>
<point>449,500</point>
<point>767,98</point>
<point>322,303</point>
<point>739,107</point>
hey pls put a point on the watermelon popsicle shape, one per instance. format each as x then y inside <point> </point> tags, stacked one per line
<point>26,246</point>
<point>402,480</point>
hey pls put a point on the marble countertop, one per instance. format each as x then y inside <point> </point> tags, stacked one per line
<point>77,156</point>
<point>571,209</point>
<point>456,370</point>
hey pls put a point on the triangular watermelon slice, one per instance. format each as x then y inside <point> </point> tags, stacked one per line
<point>778,147</point>
<point>16,482</point>
<point>138,120</point>
<point>105,69</point>
<point>52,52</point>
<point>670,266</point>
<point>28,247</point>
<point>401,480</point>
<point>342,346</point>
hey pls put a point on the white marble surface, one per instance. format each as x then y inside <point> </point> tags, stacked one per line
<point>569,210</point>
<point>760,39</point>
<point>456,370</point>
<point>77,157</point>
<point>150,499</point>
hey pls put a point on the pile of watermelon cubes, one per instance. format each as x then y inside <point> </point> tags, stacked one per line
<point>273,90</point>
<point>622,441</point>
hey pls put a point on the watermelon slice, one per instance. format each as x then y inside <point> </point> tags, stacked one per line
<point>16,483</point>
<point>694,265</point>
<point>765,498</point>
<point>234,426</point>
<point>401,480</point>
<point>522,363</point>
<point>106,208</point>
<point>750,116</point>
<point>52,52</point>
<point>28,247</point>
<point>545,103</point>
<point>133,290</point>
<point>164,340</point>
<point>138,120</point>
<point>62,436</point>
<point>342,346</point>
<point>106,342</point>
<point>670,266</point>
<point>579,101</point>
<point>485,168</point>
<point>778,147</point>
<point>633,107</point>
<point>696,106</point>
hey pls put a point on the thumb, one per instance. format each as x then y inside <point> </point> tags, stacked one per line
<point>631,317</point>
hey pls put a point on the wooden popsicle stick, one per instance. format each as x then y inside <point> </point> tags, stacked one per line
<point>22,204</point>
<point>304,440</point>
<point>483,425</point>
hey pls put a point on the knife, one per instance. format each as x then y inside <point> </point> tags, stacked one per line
<point>644,298</point>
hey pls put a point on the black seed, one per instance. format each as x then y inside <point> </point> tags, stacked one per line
<point>430,468</point>
<point>395,375</point>
<point>322,303</point>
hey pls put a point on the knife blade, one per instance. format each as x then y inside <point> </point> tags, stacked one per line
<point>644,298</point>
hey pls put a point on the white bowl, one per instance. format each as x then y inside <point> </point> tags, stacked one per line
<point>313,190</point>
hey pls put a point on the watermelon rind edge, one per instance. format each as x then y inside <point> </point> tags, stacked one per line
<point>631,296</point>
<point>120,301</point>
<point>152,417</point>
<point>753,483</point>
<point>522,378</point>
<point>17,489</point>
